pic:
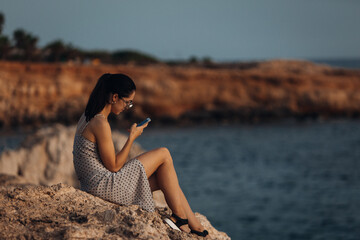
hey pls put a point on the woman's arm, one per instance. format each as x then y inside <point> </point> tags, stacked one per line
<point>124,152</point>
<point>102,132</point>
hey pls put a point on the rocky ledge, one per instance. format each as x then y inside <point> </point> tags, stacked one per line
<point>62,212</point>
<point>32,209</point>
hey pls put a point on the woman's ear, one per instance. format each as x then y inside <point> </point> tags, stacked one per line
<point>115,97</point>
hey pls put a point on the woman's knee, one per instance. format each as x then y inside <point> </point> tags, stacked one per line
<point>165,154</point>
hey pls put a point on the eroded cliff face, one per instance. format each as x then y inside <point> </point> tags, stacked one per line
<point>33,93</point>
<point>38,199</point>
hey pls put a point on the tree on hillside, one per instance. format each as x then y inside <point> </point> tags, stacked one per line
<point>22,46</point>
<point>55,51</point>
<point>193,60</point>
<point>72,53</point>
<point>133,56</point>
<point>25,43</point>
<point>5,47</point>
<point>2,21</point>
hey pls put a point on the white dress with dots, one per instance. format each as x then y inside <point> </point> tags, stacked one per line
<point>128,186</point>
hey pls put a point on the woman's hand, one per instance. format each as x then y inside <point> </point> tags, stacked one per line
<point>135,131</point>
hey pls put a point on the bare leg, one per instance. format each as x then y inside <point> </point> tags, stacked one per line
<point>155,184</point>
<point>193,221</point>
<point>158,163</point>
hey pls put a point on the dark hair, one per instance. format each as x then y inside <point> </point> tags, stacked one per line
<point>107,85</point>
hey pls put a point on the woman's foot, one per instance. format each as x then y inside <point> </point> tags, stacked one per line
<point>182,223</point>
<point>198,229</point>
<point>203,233</point>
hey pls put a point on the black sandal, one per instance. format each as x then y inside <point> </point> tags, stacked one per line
<point>179,222</point>
<point>201,234</point>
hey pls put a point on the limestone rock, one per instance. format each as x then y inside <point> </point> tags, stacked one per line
<point>277,88</point>
<point>63,212</point>
<point>30,211</point>
<point>45,157</point>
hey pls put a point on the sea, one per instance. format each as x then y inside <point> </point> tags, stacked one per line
<point>350,63</point>
<point>272,181</point>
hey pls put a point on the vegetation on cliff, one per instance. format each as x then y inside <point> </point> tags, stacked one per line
<point>23,47</point>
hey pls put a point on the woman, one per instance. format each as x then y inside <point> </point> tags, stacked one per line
<point>107,175</point>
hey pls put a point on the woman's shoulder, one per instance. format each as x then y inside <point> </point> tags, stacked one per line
<point>99,124</point>
<point>96,128</point>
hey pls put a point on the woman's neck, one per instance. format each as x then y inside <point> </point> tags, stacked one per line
<point>106,111</point>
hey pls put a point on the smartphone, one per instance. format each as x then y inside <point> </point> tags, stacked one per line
<point>143,122</point>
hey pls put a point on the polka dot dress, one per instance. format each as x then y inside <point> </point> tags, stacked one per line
<point>127,186</point>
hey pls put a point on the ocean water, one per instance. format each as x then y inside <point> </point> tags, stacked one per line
<point>342,63</point>
<point>277,181</point>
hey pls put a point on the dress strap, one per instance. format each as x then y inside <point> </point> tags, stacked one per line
<point>82,124</point>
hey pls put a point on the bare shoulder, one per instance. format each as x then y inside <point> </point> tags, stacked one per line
<point>100,128</point>
<point>99,124</point>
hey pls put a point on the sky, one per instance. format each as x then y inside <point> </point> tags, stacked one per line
<point>226,30</point>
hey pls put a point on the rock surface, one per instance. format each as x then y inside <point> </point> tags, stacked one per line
<point>63,212</point>
<point>30,211</point>
<point>45,157</point>
<point>279,88</point>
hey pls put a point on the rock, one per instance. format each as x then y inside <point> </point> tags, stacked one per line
<point>277,88</point>
<point>45,157</point>
<point>63,212</point>
<point>60,211</point>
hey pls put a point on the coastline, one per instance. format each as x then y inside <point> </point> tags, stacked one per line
<point>244,92</point>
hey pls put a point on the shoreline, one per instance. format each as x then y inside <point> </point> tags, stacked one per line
<point>246,92</point>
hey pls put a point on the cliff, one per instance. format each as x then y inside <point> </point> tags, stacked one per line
<point>33,93</point>
<point>38,199</point>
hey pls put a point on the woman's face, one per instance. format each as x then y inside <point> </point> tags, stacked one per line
<point>122,104</point>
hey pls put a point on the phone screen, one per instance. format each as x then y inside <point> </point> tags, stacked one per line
<point>143,122</point>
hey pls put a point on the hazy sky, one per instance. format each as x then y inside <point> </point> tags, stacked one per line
<point>220,29</point>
